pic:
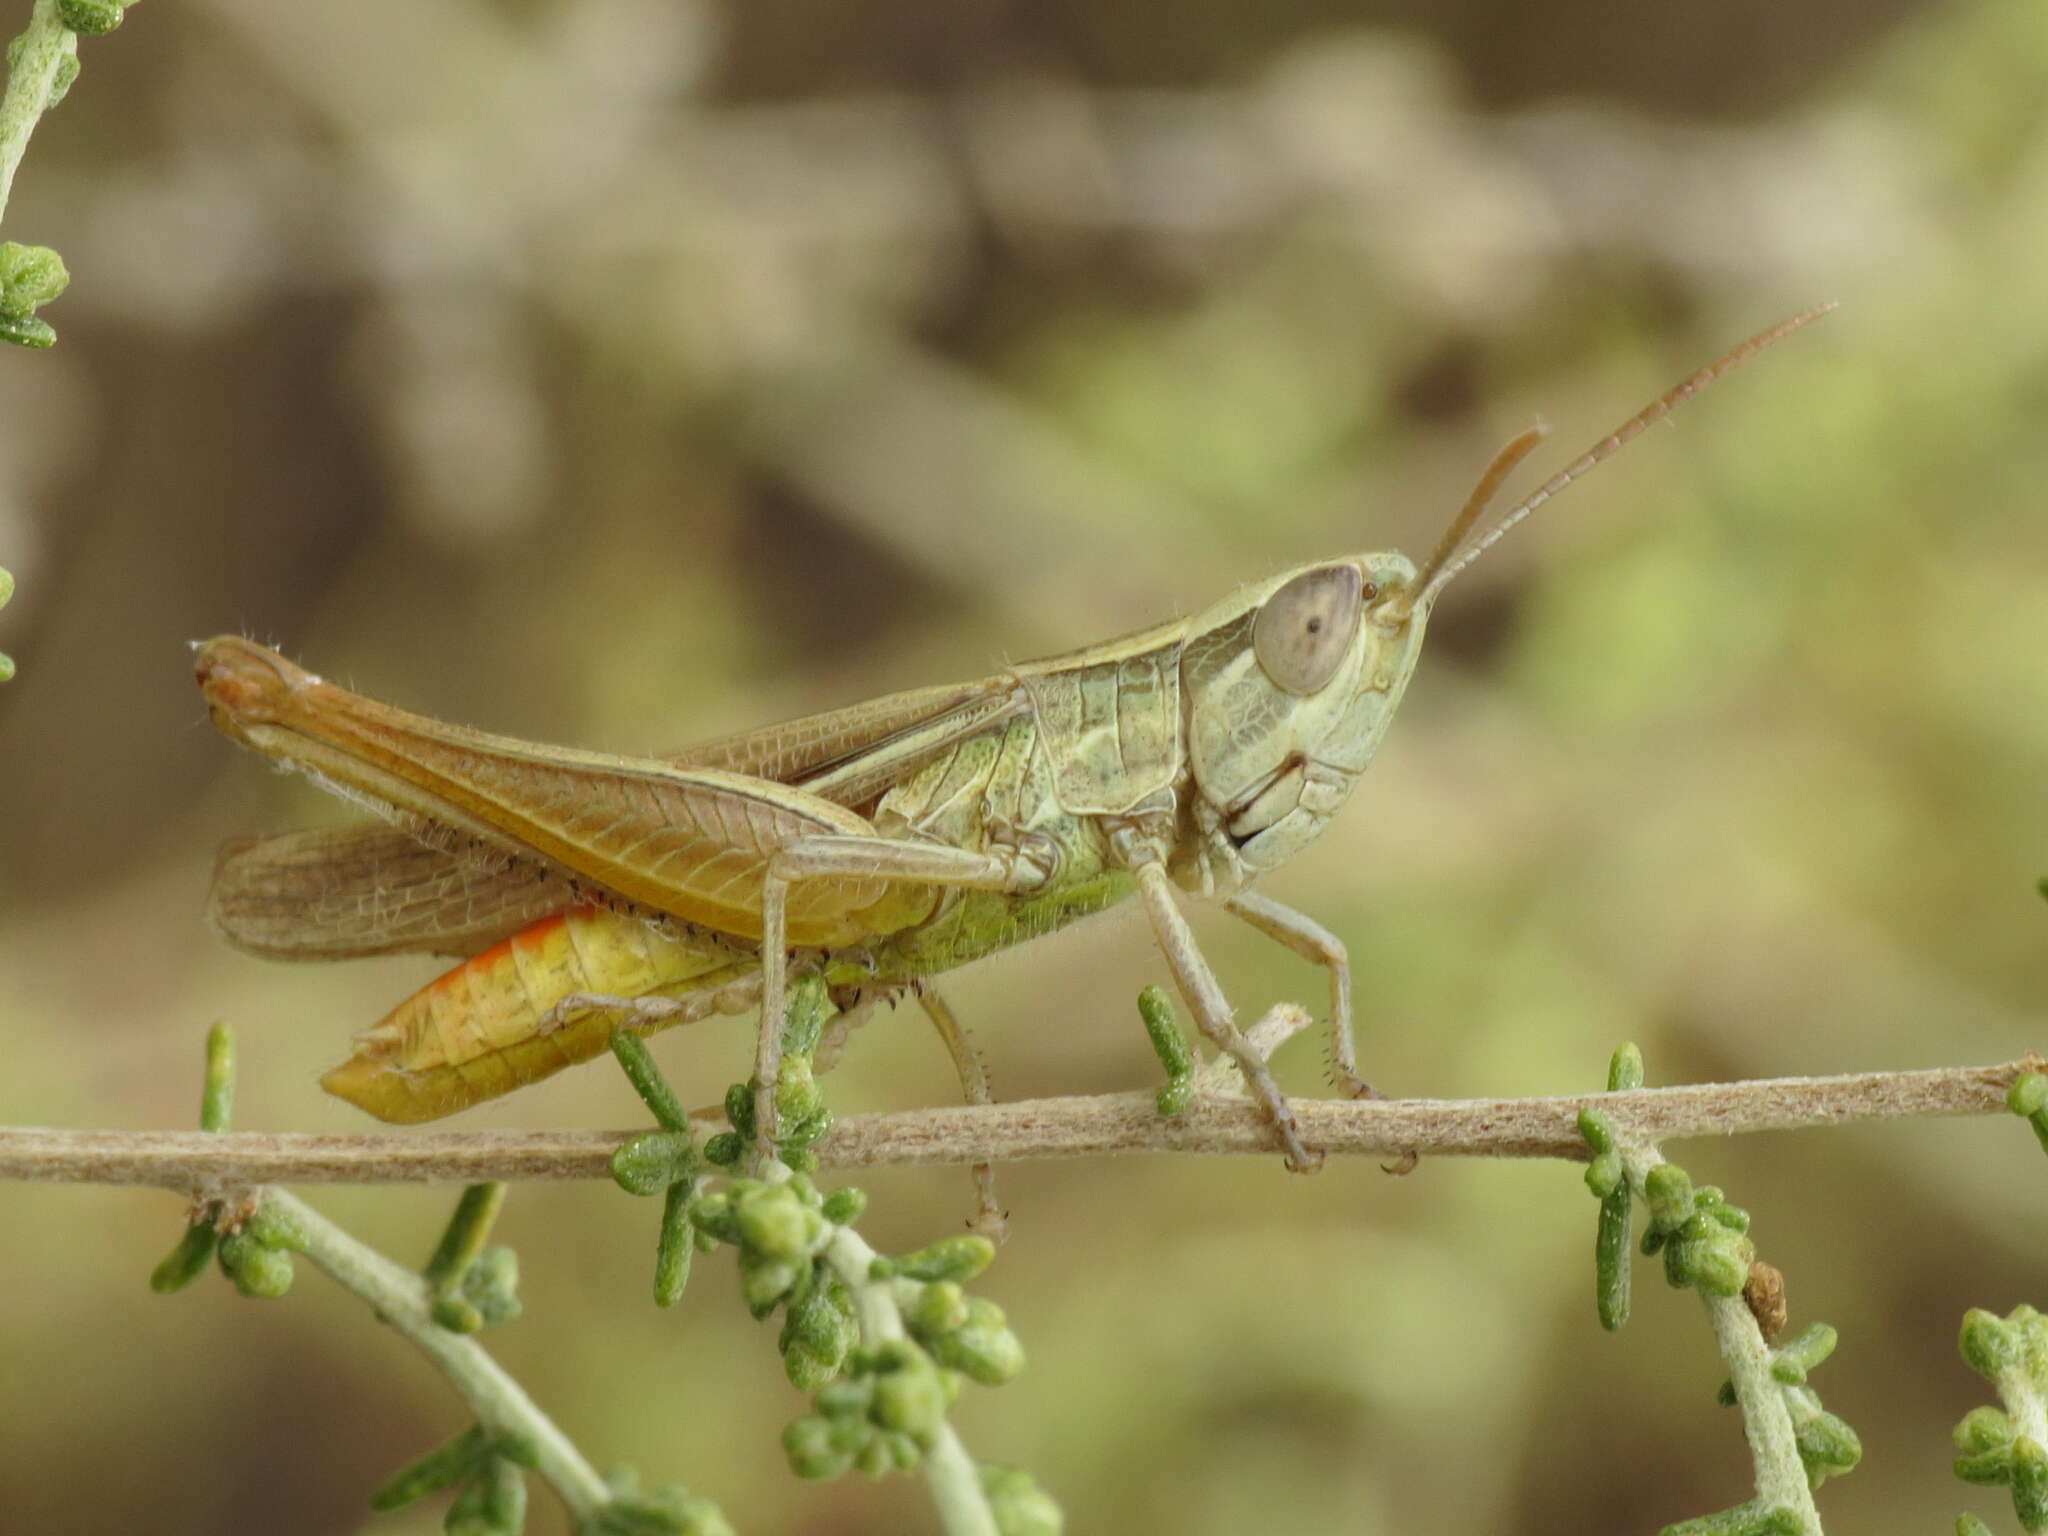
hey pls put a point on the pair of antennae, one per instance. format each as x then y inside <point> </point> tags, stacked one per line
<point>1448,559</point>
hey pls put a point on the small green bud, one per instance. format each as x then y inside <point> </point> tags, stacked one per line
<point>93,18</point>
<point>30,277</point>
<point>491,1285</point>
<point>797,1095</point>
<point>1983,1429</point>
<point>807,1369</point>
<point>776,1224</point>
<point>1827,1447</point>
<point>1985,1469</point>
<point>650,1162</point>
<point>187,1261</point>
<point>843,1207</point>
<point>816,1339</point>
<point>273,1228</point>
<point>764,1282</point>
<point>2028,1094</point>
<point>739,1108</point>
<point>1605,1174</point>
<point>983,1348</point>
<point>1987,1344</point>
<point>1732,1217</point>
<point>990,1356</point>
<point>256,1270</point>
<point>1970,1525</point>
<point>217,1097</point>
<point>912,1400</point>
<point>1625,1068</point>
<point>873,1457</point>
<point>2030,1482</point>
<point>1020,1506</point>
<point>941,1307</point>
<point>713,1215</point>
<point>952,1258</point>
<point>1717,1271</point>
<point>1791,1360</point>
<point>808,1444</point>
<point>1668,1188</point>
<point>846,1399</point>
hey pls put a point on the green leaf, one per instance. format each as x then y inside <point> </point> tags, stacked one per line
<point>217,1097</point>
<point>953,1258</point>
<point>442,1467</point>
<point>1625,1068</point>
<point>1020,1506</point>
<point>647,1081</point>
<point>30,277</point>
<point>93,18</point>
<point>258,1271</point>
<point>186,1262</point>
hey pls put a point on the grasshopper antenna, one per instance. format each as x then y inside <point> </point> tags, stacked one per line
<point>1503,465</point>
<point>1444,564</point>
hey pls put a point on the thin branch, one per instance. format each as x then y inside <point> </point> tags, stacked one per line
<point>1033,1129</point>
<point>404,1300</point>
<point>949,1471</point>
<point>44,47</point>
<point>1781,1481</point>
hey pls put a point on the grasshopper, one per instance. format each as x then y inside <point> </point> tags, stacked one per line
<point>875,845</point>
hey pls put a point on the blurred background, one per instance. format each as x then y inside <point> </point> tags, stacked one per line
<point>623,373</point>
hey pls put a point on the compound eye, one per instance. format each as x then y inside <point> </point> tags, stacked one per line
<point>1304,631</point>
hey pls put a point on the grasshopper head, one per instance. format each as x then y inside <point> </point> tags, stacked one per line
<point>1290,683</point>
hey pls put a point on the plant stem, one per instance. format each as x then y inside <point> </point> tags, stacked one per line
<point>401,1299</point>
<point>1040,1128</point>
<point>949,1472</point>
<point>1766,1421</point>
<point>45,45</point>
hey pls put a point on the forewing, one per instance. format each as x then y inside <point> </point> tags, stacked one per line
<point>373,888</point>
<point>690,842</point>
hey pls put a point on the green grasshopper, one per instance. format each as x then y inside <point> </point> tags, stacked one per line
<point>876,845</point>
